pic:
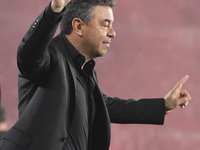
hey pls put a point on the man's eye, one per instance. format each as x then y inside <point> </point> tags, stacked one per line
<point>105,25</point>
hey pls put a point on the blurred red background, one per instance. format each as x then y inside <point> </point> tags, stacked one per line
<point>157,44</point>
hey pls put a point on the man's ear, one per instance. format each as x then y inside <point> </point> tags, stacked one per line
<point>77,24</point>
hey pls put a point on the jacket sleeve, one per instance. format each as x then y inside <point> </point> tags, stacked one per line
<point>143,111</point>
<point>33,57</point>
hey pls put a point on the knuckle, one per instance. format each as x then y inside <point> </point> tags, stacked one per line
<point>175,103</point>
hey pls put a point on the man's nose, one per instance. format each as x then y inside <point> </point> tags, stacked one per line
<point>112,33</point>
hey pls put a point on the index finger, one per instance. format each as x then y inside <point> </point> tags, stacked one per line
<point>181,82</point>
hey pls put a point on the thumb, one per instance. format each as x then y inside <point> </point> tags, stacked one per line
<point>183,100</point>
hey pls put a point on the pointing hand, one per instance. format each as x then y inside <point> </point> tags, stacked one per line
<point>177,96</point>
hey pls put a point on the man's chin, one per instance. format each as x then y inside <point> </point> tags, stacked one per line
<point>103,53</point>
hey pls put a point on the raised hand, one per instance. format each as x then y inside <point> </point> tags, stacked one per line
<point>58,5</point>
<point>177,96</point>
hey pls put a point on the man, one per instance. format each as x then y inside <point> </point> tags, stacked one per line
<point>60,104</point>
<point>3,122</point>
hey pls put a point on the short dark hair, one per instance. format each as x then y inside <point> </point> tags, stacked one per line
<point>83,9</point>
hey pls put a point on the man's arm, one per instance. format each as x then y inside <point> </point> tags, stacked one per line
<point>147,111</point>
<point>33,57</point>
<point>143,111</point>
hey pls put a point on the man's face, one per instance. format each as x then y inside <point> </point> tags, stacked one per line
<point>98,33</point>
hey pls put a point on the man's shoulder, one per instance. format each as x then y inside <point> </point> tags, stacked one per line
<point>57,43</point>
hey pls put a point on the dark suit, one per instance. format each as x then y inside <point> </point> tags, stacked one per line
<point>46,96</point>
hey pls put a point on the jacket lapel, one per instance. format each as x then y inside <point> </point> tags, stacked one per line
<point>101,124</point>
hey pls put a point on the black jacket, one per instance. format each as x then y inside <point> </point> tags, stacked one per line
<point>46,96</point>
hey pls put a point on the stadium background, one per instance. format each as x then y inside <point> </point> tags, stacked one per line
<point>157,43</point>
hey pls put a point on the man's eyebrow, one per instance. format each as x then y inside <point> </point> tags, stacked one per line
<point>107,20</point>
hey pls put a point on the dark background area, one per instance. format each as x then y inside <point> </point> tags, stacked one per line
<point>157,43</point>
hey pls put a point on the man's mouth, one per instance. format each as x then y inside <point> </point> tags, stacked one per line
<point>107,42</point>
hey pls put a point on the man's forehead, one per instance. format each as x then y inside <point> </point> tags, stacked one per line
<point>105,12</point>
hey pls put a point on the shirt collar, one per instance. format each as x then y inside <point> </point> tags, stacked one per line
<point>89,66</point>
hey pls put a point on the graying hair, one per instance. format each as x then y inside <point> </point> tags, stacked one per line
<point>83,9</point>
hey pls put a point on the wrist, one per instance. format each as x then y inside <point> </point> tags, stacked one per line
<point>56,8</point>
